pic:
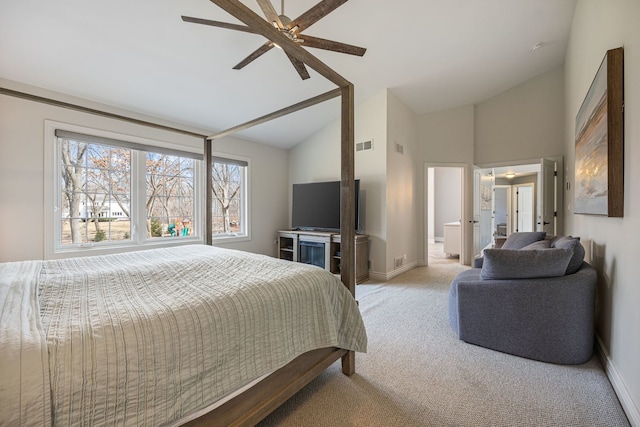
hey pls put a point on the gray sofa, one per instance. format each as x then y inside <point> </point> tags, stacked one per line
<point>534,298</point>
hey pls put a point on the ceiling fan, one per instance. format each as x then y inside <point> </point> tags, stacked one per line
<point>292,28</point>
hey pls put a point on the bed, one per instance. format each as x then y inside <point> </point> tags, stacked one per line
<point>164,336</point>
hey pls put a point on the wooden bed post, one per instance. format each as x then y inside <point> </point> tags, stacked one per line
<point>208,197</point>
<point>347,187</point>
<point>347,207</point>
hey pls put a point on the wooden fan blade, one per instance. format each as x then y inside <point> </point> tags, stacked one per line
<point>314,14</point>
<point>218,24</point>
<point>299,66</point>
<point>318,43</point>
<point>256,54</point>
<point>270,12</point>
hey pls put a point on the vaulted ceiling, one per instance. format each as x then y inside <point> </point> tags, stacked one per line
<point>141,56</point>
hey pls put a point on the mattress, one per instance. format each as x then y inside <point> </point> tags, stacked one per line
<point>150,337</point>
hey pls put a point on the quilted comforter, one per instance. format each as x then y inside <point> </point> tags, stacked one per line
<point>148,337</point>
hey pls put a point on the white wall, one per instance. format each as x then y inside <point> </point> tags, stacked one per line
<point>269,197</point>
<point>22,179</point>
<point>612,242</point>
<point>318,159</point>
<point>403,197</point>
<point>525,122</point>
<point>446,138</point>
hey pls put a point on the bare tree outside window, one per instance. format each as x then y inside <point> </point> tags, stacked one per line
<point>94,179</point>
<point>73,155</point>
<point>170,196</point>
<point>227,194</point>
<point>112,190</point>
<point>96,193</point>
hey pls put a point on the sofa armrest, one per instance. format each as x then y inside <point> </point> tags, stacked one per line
<point>547,319</point>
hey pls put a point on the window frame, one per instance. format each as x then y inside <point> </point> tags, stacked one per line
<point>52,192</point>
<point>245,200</point>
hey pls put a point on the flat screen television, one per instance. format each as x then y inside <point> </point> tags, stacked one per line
<point>316,206</point>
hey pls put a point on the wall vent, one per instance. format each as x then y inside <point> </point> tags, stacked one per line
<point>364,146</point>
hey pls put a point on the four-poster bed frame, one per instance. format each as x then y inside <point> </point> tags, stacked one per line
<point>260,400</point>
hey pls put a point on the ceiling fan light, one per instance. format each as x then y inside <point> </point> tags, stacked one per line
<point>285,20</point>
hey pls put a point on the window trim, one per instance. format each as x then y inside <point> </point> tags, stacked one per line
<point>52,247</point>
<point>245,196</point>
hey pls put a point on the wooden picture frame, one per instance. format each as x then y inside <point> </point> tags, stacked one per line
<point>599,142</point>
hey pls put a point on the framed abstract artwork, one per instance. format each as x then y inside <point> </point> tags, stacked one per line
<point>599,142</point>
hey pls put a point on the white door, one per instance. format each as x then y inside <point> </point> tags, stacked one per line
<point>482,204</point>
<point>477,248</point>
<point>524,207</point>
<point>502,210</point>
<point>486,208</point>
<point>547,197</point>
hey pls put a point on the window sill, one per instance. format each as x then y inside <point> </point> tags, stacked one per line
<point>231,239</point>
<point>97,249</point>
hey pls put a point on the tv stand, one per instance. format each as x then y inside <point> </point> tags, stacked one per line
<point>322,248</point>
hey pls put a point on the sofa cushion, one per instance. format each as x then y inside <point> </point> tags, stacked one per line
<point>522,239</point>
<point>540,244</point>
<point>524,264</point>
<point>577,250</point>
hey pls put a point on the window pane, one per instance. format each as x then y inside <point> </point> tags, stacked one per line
<point>95,192</point>
<point>170,202</point>
<point>228,192</point>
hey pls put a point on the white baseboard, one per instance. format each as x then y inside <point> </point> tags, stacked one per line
<point>626,399</point>
<point>384,277</point>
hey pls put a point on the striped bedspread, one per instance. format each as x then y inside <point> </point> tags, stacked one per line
<point>146,338</point>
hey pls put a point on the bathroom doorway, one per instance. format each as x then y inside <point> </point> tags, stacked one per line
<point>444,214</point>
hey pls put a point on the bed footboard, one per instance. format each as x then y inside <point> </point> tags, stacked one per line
<point>248,408</point>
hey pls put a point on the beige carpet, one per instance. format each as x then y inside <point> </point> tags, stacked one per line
<point>417,373</point>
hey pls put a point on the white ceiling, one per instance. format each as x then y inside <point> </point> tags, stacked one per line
<point>139,55</point>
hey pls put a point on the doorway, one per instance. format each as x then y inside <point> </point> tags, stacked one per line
<point>444,214</point>
<point>536,195</point>
<point>514,209</point>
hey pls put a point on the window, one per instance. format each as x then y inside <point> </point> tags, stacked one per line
<point>170,197</point>
<point>111,192</point>
<point>95,192</point>
<point>230,202</point>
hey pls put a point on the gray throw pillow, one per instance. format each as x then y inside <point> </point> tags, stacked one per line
<point>577,249</point>
<point>524,264</point>
<point>522,239</point>
<point>540,244</point>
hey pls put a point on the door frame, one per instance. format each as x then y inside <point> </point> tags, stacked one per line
<point>559,183</point>
<point>466,202</point>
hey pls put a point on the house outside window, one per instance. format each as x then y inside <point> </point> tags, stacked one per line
<point>230,203</point>
<point>110,193</point>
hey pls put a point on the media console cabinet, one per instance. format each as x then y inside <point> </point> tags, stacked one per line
<point>323,250</point>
